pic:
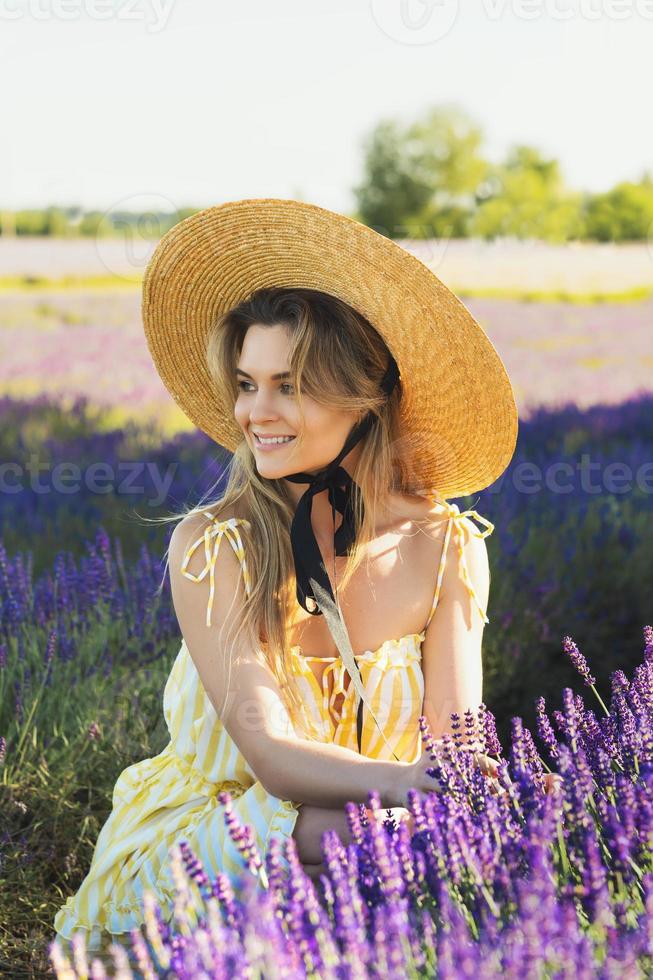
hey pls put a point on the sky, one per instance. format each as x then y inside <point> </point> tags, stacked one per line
<point>134,104</point>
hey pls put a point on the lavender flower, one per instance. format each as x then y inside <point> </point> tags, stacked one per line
<point>578,660</point>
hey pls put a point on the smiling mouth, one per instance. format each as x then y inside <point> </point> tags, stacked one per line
<point>286,440</point>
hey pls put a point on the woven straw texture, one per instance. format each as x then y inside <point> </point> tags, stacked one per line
<point>458,412</point>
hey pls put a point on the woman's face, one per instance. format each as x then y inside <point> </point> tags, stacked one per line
<point>268,406</point>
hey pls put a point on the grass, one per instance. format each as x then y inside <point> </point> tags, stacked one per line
<point>55,801</point>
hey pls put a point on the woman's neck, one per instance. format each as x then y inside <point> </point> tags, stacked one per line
<point>322,516</point>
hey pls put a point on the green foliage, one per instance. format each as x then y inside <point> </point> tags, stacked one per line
<point>55,802</point>
<point>394,188</point>
<point>430,180</point>
<point>421,181</point>
<point>530,201</point>
<point>424,180</point>
<point>68,222</point>
<point>623,214</point>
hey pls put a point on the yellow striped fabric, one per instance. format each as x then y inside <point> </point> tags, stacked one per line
<point>392,677</point>
<point>173,796</point>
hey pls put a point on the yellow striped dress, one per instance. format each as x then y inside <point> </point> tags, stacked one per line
<point>174,796</point>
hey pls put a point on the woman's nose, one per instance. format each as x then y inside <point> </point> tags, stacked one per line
<point>263,408</point>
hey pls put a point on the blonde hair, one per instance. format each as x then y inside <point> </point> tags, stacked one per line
<point>337,358</point>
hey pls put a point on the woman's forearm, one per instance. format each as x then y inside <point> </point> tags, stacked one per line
<point>326,775</point>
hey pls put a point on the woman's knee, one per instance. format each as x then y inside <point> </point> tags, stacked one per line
<point>311,824</point>
<point>314,871</point>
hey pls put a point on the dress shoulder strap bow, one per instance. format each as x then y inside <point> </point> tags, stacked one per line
<point>455,516</point>
<point>211,538</point>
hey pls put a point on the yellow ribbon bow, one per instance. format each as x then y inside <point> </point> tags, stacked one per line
<point>216,531</point>
<point>455,515</point>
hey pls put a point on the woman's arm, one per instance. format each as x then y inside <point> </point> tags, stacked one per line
<point>323,774</point>
<point>249,703</point>
<point>451,652</point>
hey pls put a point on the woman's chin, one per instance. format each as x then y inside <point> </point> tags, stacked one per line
<point>275,468</point>
<point>278,468</point>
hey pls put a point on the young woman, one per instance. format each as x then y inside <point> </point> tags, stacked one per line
<point>355,399</point>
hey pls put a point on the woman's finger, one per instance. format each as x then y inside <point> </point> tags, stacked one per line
<point>553,782</point>
<point>488,766</point>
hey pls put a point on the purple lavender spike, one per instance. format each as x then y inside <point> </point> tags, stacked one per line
<point>619,682</point>
<point>489,730</point>
<point>544,727</point>
<point>648,644</point>
<point>578,660</point>
<point>456,731</point>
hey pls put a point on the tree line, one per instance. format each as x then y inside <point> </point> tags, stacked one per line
<point>423,180</point>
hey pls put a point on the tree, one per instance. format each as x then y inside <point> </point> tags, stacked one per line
<point>624,213</point>
<point>392,189</point>
<point>422,181</point>
<point>530,201</point>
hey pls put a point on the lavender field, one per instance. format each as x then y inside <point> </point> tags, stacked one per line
<point>505,880</point>
<point>522,883</point>
<point>465,263</point>
<point>91,343</point>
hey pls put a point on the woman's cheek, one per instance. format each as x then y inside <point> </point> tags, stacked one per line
<point>240,414</point>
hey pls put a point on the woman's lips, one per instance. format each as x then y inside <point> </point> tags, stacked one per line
<point>271,445</point>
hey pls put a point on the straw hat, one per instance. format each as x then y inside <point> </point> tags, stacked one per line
<point>458,412</point>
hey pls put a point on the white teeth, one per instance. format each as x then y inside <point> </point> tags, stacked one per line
<point>275,439</point>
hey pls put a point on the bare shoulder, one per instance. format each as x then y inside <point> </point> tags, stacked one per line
<point>426,513</point>
<point>436,517</point>
<point>466,561</point>
<point>187,542</point>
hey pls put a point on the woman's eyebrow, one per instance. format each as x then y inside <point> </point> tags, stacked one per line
<point>274,377</point>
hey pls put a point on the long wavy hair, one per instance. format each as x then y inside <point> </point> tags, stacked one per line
<point>337,358</point>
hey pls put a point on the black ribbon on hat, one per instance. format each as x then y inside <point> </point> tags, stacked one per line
<point>314,592</point>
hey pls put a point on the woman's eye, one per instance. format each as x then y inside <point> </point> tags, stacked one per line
<point>241,383</point>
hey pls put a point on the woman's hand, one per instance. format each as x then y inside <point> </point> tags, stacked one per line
<point>398,813</point>
<point>413,775</point>
<point>552,782</point>
<point>490,768</point>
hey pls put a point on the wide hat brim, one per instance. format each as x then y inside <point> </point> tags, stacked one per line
<point>458,414</point>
